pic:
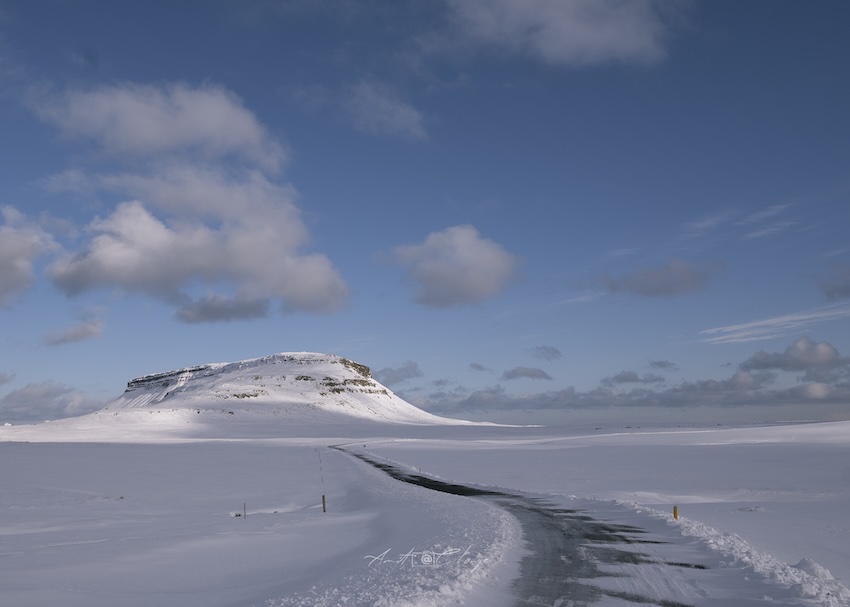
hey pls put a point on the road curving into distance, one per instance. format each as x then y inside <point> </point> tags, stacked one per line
<point>567,549</point>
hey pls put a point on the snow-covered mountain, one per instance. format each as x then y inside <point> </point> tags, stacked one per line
<point>298,386</point>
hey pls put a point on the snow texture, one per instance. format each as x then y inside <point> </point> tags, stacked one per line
<point>203,487</point>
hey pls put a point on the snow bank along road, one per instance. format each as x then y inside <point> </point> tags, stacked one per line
<point>163,525</point>
<point>575,558</point>
<point>125,523</point>
<point>569,551</point>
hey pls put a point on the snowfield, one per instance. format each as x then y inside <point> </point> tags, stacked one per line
<point>199,498</point>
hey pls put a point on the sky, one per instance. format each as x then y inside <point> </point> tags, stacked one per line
<point>512,210</point>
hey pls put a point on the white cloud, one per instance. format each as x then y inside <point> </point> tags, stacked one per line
<point>525,372</point>
<point>566,32</point>
<point>826,381</point>
<point>770,229</point>
<point>765,214</point>
<point>218,241</point>
<point>87,329</point>
<point>802,355</point>
<point>20,245</point>
<point>218,308</point>
<point>457,266</point>
<point>190,190</point>
<point>742,389</point>
<point>395,375</point>
<point>46,400</point>
<point>630,377</point>
<point>377,109</point>
<point>775,326</point>
<point>143,120</point>
<point>812,391</point>
<point>664,365</point>
<point>135,250</point>
<point>675,277</point>
<point>709,226</point>
<point>766,222</point>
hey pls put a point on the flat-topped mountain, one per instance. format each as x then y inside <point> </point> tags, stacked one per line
<point>299,386</point>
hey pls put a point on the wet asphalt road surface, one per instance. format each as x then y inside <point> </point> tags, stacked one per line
<point>566,548</point>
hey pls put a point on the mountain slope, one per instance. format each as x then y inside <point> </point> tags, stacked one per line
<point>300,386</point>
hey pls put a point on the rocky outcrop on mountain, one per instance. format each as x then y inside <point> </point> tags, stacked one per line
<point>298,385</point>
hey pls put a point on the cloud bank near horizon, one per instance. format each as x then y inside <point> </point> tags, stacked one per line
<point>821,375</point>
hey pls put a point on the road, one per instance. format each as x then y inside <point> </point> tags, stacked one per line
<point>570,553</point>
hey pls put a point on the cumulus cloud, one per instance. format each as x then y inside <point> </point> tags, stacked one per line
<point>193,190</point>
<point>142,120</point>
<point>802,355</point>
<point>46,400</point>
<point>455,393</point>
<point>377,109</point>
<point>137,251</point>
<point>755,382</point>
<point>217,308</point>
<point>20,245</point>
<point>630,377</point>
<point>827,375</point>
<point>525,372</point>
<point>188,224</point>
<point>740,381</point>
<point>549,353</point>
<point>743,388</point>
<point>838,285</point>
<point>457,266</point>
<point>676,277</point>
<point>663,365</point>
<point>87,329</point>
<point>565,32</point>
<point>811,391</point>
<point>395,375</point>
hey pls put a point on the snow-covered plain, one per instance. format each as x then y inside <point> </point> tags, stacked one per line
<point>215,501</point>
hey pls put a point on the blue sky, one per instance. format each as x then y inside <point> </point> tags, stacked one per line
<point>524,211</point>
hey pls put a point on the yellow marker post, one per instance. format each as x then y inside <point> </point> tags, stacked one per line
<point>676,512</point>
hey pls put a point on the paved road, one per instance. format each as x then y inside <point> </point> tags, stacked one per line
<point>568,549</point>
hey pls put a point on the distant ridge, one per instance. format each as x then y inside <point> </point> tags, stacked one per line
<point>295,386</point>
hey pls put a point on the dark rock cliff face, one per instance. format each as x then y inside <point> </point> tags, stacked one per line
<point>168,378</point>
<point>171,378</point>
